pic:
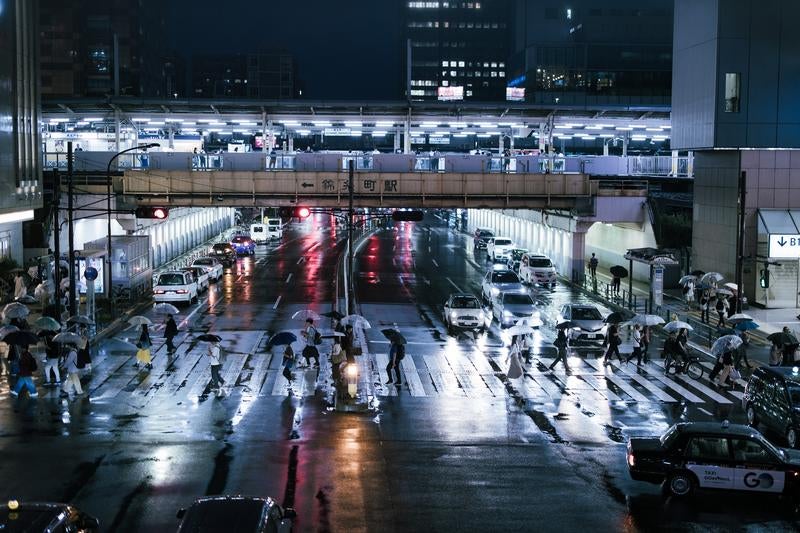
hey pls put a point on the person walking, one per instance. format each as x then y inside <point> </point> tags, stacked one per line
<point>338,327</point>
<point>27,366</point>
<point>84,355</point>
<point>721,306</point>
<point>514,364</point>
<point>637,346</point>
<point>705,307</point>
<point>593,266</point>
<point>741,352</point>
<point>52,354</point>
<point>170,331</point>
<point>613,341</point>
<point>273,158</point>
<point>72,381</point>
<point>775,355</point>
<point>338,356</point>
<point>348,343</point>
<point>688,293</point>
<point>615,284</point>
<point>144,344</point>
<point>396,354</point>
<point>288,363</point>
<point>312,338</point>
<point>645,344</point>
<point>726,362</point>
<point>215,364</point>
<point>561,344</point>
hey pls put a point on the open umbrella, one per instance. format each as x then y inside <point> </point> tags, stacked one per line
<point>732,286</point>
<point>281,338</point>
<point>746,326</point>
<point>333,334</point>
<point>80,319</point>
<point>646,320</point>
<point>333,314</point>
<point>781,338</point>
<point>697,273</point>
<point>67,337</point>
<point>355,320</point>
<point>726,343</point>
<point>619,271</point>
<point>739,317</point>
<point>519,330</point>
<point>5,330</point>
<point>139,320</point>
<point>114,345</point>
<point>614,318</point>
<point>15,310</point>
<point>677,325</point>
<point>166,309</point>
<point>712,278</point>
<point>208,337</point>
<point>47,323</point>
<point>394,336</point>
<point>685,280</point>
<point>27,299</point>
<point>724,292</point>
<point>303,314</point>
<point>567,324</point>
<point>21,338</point>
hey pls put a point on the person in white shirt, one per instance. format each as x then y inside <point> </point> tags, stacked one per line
<point>213,355</point>
<point>637,345</point>
<point>73,381</point>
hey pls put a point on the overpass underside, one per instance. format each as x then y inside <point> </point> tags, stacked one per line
<point>380,189</point>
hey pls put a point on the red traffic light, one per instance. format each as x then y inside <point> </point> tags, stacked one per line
<point>160,213</point>
<point>294,212</point>
<point>303,212</point>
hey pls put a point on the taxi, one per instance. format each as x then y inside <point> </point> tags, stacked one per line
<point>708,455</point>
<point>51,517</point>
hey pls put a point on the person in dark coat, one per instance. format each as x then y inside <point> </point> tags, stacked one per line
<point>613,341</point>
<point>348,342</point>
<point>396,354</point>
<point>170,331</point>
<point>561,344</point>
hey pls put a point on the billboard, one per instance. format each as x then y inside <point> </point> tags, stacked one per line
<point>515,94</point>
<point>447,94</point>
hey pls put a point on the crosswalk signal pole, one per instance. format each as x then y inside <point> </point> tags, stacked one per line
<point>350,222</point>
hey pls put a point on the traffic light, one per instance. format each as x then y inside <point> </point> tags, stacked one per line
<point>294,212</point>
<point>407,216</point>
<point>764,279</point>
<point>160,213</point>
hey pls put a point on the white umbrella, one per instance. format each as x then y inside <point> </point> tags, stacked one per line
<point>26,299</point>
<point>5,330</point>
<point>724,292</point>
<point>307,313</point>
<point>685,280</point>
<point>646,320</point>
<point>711,278</point>
<point>519,330</point>
<point>726,343</point>
<point>354,320</point>
<point>67,337</point>
<point>732,286</point>
<point>138,320</point>
<point>739,317</point>
<point>166,309</point>
<point>677,325</point>
<point>80,319</point>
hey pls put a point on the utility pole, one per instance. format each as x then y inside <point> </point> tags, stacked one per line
<point>57,241</point>
<point>740,241</point>
<point>71,231</point>
<point>350,223</point>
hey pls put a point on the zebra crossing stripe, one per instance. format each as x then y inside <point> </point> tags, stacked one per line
<point>683,391</point>
<point>381,360</point>
<point>597,386</point>
<point>232,368</point>
<point>444,381</point>
<point>649,385</point>
<point>412,376</point>
<point>259,373</point>
<point>714,395</point>
<point>619,383</point>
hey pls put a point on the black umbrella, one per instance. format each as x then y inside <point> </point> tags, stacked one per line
<point>568,324</point>
<point>782,337</point>
<point>21,338</point>
<point>281,338</point>
<point>698,273</point>
<point>614,318</point>
<point>619,271</point>
<point>394,336</point>
<point>333,314</point>
<point>208,337</point>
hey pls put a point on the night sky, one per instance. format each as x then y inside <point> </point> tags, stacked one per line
<point>344,49</point>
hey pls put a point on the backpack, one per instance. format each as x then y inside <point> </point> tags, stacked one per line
<point>317,337</point>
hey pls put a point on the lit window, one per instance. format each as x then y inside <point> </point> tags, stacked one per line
<point>477,73</point>
<point>494,74</point>
<point>453,73</point>
<point>445,83</point>
<point>732,102</point>
<point>502,74</point>
<point>446,24</point>
<point>445,64</point>
<point>502,65</point>
<point>444,73</point>
<point>460,63</point>
<point>477,5</point>
<point>469,93</point>
<point>494,64</point>
<point>486,65</point>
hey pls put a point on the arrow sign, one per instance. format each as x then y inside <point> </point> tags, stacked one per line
<point>307,184</point>
<point>784,246</point>
<point>782,242</point>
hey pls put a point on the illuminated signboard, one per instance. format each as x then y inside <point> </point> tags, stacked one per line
<point>447,94</point>
<point>515,94</point>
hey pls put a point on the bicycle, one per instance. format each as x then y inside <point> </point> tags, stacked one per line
<point>690,366</point>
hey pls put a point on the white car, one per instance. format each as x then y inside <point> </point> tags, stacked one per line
<point>274,228</point>
<point>210,262</point>
<point>536,269</point>
<point>175,286</point>
<point>499,249</point>
<point>463,311</point>
<point>588,322</point>
<point>508,308</point>
<point>497,281</point>
<point>201,275</point>
<point>258,232</point>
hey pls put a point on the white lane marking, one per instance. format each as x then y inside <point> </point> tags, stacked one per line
<point>435,263</point>
<point>703,410</point>
<point>301,260</point>
<point>429,249</point>
<point>475,265</point>
<point>450,281</point>
<point>277,302</point>
<point>289,277</point>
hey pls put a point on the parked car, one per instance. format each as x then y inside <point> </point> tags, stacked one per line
<point>243,245</point>
<point>224,253</point>
<point>508,308</point>
<point>212,264</point>
<point>175,286</point>
<point>497,281</point>
<point>236,514</point>
<point>515,258</point>
<point>536,269</point>
<point>481,238</point>
<point>463,311</point>
<point>772,399</point>
<point>258,232</point>
<point>589,322</point>
<point>499,249</point>
<point>201,276</point>
<point>709,455</point>
<point>45,517</point>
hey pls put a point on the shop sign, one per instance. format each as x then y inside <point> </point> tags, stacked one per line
<point>658,286</point>
<point>784,246</point>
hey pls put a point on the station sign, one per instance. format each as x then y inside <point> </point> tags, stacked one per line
<point>784,246</point>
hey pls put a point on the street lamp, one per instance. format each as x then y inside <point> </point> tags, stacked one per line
<point>108,208</point>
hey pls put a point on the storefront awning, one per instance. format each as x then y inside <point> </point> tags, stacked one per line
<point>779,221</point>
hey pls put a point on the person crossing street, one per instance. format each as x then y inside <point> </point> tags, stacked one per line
<point>312,337</point>
<point>170,331</point>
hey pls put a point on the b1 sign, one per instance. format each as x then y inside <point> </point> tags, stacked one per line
<point>784,246</point>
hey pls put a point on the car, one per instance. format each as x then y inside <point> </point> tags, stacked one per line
<point>175,286</point>
<point>274,228</point>
<point>772,399</point>
<point>240,514</point>
<point>243,245</point>
<point>710,455</point>
<point>588,320</point>
<point>224,253</point>
<point>508,308</point>
<point>500,280</point>
<point>536,269</point>
<point>463,311</point>
<point>201,276</point>
<point>499,249</point>
<point>515,258</point>
<point>481,238</point>
<point>47,517</point>
<point>211,263</point>
<point>259,233</point>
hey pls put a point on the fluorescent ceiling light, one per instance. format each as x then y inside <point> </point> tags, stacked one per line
<point>241,130</point>
<point>588,137</point>
<point>638,126</point>
<point>458,124</point>
<point>82,123</point>
<point>384,124</point>
<point>639,138</point>
<point>623,128</point>
<point>573,125</point>
<point>353,124</point>
<point>303,132</point>
<point>16,216</point>
<point>378,133</point>
<point>594,127</point>
<point>143,119</point>
<point>606,135</point>
<point>93,119</point>
<point>484,135</point>
<point>563,126</point>
<point>460,135</point>
<point>291,123</point>
<point>667,127</point>
<point>563,136</point>
<point>355,133</point>
<point>58,120</point>
<point>188,123</point>
<point>246,123</point>
<point>653,129</point>
<point>179,120</point>
<point>322,123</point>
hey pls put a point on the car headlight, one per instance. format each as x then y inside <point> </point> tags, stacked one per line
<point>507,314</point>
<point>453,314</point>
<point>495,291</point>
<point>481,316</point>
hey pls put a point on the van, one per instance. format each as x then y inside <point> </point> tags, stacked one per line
<point>258,232</point>
<point>274,228</point>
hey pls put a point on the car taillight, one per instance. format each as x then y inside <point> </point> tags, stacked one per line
<point>631,459</point>
<point>159,292</point>
<point>181,291</point>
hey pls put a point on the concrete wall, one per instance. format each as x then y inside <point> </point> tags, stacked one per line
<point>610,242</point>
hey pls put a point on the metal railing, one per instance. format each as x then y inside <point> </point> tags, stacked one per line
<point>659,166</point>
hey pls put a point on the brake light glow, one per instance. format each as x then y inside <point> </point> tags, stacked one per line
<point>159,292</point>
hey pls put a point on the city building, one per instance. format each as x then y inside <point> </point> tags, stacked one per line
<point>586,52</point>
<point>458,50</point>
<point>264,75</point>
<point>733,103</point>
<point>20,141</point>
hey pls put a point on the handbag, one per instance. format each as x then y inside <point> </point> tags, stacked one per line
<point>735,375</point>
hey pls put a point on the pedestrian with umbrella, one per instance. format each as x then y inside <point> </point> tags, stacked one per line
<point>338,357</point>
<point>170,331</point>
<point>721,306</point>
<point>617,272</point>
<point>514,364</point>
<point>73,381</point>
<point>613,341</point>
<point>143,354</point>
<point>52,356</point>
<point>27,366</point>
<point>637,345</point>
<point>561,344</point>
<point>741,352</point>
<point>84,355</point>
<point>213,353</point>
<point>705,307</point>
<point>396,354</point>
<point>348,343</point>
<point>313,338</point>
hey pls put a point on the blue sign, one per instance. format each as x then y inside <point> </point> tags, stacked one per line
<point>90,273</point>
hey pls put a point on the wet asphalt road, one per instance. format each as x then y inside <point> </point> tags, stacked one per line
<point>459,446</point>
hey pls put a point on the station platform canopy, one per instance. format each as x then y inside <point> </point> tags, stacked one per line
<point>652,256</point>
